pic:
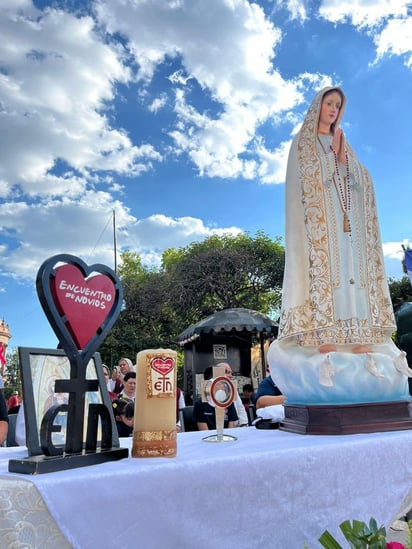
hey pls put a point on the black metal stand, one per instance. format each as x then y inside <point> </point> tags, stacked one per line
<point>49,464</point>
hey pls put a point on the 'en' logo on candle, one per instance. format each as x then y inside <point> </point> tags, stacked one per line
<point>162,376</point>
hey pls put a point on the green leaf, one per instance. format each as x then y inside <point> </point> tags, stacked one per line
<point>362,536</point>
<point>328,541</point>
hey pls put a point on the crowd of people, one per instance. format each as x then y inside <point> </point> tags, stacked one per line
<point>121,386</point>
<point>244,410</point>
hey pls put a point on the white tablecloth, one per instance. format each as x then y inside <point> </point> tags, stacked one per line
<point>269,489</point>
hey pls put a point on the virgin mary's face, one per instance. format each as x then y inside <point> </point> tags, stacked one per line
<point>331,105</point>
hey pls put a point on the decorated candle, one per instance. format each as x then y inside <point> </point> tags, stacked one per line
<point>154,433</point>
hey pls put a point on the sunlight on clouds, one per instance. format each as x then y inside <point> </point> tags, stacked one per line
<point>179,77</point>
<point>395,39</point>
<point>5,188</point>
<point>59,112</point>
<point>393,254</point>
<point>60,75</point>
<point>158,103</point>
<point>316,81</point>
<point>215,145</point>
<point>296,8</point>
<point>161,232</point>
<point>234,67</point>
<point>273,163</point>
<point>62,186</point>
<point>79,227</point>
<point>91,99</point>
<point>84,228</point>
<point>389,19</point>
<point>394,250</point>
<point>361,13</point>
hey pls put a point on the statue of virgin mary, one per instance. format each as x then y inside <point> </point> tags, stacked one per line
<point>335,335</point>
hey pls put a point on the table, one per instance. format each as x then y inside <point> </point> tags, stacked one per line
<point>268,489</point>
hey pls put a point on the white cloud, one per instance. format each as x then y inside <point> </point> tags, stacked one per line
<point>296,8</point>
<point>59,79</point>
<point>386,21</point>
<point>57,76</point>
<point>158,103</point>
<point>395,39</point>
<point>179,77</point>
<point>227,48</point>
<point>362,13</point>
<point>58,226</point>
<point>62,78</point>
<point>84,228</point>
<point>159,232</point>
<point>273,163</point>
<point>394,250</point>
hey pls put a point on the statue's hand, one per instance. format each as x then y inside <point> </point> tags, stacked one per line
<point>338,145</point>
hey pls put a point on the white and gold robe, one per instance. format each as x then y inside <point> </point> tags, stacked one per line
<point>335,288</point>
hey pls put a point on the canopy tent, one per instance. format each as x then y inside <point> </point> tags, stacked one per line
<point>229,320</point>
<point>236,329</point>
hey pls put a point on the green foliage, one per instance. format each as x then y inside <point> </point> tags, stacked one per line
<point>400,290</point>
<point>223,272</point>
<point>192,283</point>
<point>358,534</point>
<point>12,373</point>
<point>408,544</point>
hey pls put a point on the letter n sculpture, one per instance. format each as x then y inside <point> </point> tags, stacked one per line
<point>67,409</point>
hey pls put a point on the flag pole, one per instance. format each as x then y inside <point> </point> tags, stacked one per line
<point>114,241</point>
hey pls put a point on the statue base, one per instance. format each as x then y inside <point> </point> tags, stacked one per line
<point>36,465</point>
<point>347,419</point>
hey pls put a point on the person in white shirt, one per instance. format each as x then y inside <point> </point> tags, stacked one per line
<point>129,386</point>
<point>243,420</point>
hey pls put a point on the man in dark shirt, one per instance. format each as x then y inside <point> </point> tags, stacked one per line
<point>268,393</point>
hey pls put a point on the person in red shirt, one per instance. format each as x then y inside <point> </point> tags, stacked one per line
<point>13,400</point>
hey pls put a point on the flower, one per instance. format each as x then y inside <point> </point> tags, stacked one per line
<point>394,545</point>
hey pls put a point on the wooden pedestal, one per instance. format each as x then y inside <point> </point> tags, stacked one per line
<point>346,419</point>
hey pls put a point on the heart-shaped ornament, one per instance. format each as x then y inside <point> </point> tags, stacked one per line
<point>162,366</point>
<point>81,302</point>
<point>85,302</point>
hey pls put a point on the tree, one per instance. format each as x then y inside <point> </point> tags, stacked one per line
<point>224,272</point>
<point>192,282</point>
<point>145,321</point>
<point>400,291</point>
<point>12,373</point>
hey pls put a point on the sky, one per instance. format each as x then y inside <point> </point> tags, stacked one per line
<point>174,118</point>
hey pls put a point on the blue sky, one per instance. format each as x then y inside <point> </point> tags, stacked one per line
<point>178,116</point>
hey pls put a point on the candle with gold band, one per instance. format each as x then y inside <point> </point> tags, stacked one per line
<point>154,433</point>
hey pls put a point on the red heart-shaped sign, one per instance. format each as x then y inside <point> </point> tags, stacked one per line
<point>84,302</point>
<point>162,366</point>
